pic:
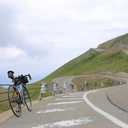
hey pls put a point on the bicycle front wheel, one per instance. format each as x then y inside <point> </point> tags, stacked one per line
<point>13,98</point>
<point>27,99</point>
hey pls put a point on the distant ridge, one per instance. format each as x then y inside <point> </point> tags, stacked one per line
<point>113,42</point>
<point>110,56</point>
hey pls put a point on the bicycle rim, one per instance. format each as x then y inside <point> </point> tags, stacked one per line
<point>27,99</point>
<point>13,101</point>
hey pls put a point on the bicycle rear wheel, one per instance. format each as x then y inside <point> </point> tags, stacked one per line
<point>27,99</point>
<point>13,98</point>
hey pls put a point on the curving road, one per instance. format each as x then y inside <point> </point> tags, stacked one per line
<point>90,109</point>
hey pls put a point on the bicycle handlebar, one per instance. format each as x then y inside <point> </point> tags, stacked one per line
<point>21,76</point>
<point>29,76</point>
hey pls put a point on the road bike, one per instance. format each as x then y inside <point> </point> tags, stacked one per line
<point>18,95</point>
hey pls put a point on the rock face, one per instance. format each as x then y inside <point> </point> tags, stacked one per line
<point>117,46</point>
<point>121,46</point>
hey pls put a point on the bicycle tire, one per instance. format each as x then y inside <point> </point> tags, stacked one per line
<point>13,98</point>
<point>27,99</point>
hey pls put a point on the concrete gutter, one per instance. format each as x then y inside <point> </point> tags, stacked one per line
<point>7,114</point>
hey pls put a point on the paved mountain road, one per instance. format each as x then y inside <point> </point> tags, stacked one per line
<point>76,110</point>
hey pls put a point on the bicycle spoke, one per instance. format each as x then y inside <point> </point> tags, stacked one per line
<point>13,101</point>
<point>27,99</point>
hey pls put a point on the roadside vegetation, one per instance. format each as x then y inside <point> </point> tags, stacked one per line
<point>94,82</point>
<point>3,105</point>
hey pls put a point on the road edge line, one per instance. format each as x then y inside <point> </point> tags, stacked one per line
<point>105,114</point>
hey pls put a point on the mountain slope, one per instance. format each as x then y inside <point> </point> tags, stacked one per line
<point>114,42</point>
<point>113,59</point>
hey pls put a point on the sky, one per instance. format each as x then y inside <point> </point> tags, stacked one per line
<point>39,36</point>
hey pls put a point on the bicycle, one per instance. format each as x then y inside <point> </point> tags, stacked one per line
<point>18,95</point>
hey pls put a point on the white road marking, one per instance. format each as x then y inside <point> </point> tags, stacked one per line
<point>73,96</point>
<point>56,110</point>
<point>108,116</point>
<point>69,98</point>
<point>73,102</point>
<point>77,93</point>
<point>67,123</point>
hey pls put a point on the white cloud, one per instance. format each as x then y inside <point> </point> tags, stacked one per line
<point>14,52</point>
<point>40,36</point>
<point>10,53</point>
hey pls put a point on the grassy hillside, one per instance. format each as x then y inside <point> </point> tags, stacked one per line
<point>68,69</point>
<point>91,62</point>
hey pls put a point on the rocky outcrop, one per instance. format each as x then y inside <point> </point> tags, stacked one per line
<point>122,47</point>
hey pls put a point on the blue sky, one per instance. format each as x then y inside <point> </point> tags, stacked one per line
<point>39,36</point>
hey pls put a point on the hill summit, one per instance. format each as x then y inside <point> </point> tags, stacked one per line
<point>110,56</point>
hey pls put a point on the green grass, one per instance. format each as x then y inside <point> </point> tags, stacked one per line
<point>4,106</point>
<point>79,82</point>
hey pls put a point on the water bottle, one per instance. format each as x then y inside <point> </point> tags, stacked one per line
<point>20,89</point>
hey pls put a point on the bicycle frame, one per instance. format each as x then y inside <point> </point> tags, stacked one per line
<point>16,96</point>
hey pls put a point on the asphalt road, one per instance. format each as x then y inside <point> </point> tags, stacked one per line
<point>89,109</point>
